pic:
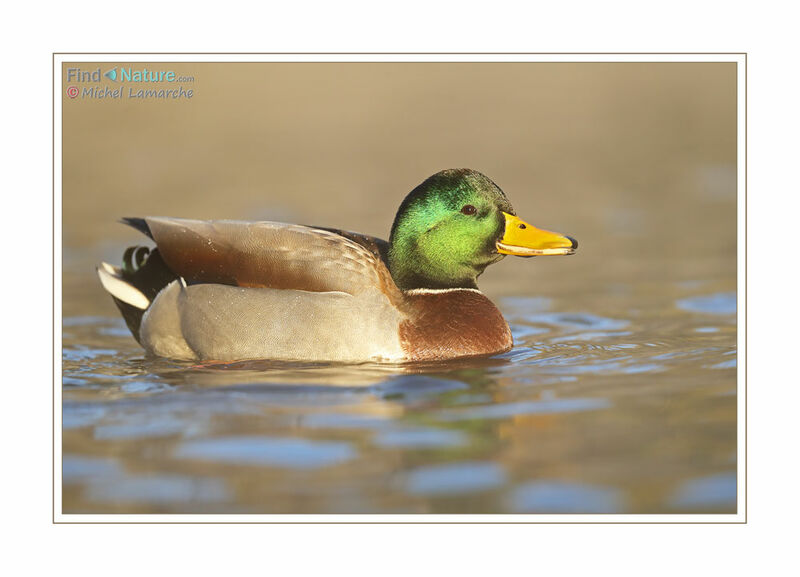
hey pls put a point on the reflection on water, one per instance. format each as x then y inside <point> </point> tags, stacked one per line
<point>549,497</point>
<point>715,490</point>
<point>716,304</point>
<point>277,452</point>
<point>454,479</point>
<point>587,414</point>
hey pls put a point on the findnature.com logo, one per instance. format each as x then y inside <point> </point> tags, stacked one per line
<point>127,75</point>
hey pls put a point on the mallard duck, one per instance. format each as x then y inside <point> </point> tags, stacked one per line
<point>228,290</point>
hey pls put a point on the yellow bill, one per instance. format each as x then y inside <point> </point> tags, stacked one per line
<point>522,239</point>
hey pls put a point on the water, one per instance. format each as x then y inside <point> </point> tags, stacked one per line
<point>587,414</point>
<point>620,393</point>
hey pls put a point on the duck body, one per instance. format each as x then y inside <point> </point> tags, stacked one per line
<point>233,290</point>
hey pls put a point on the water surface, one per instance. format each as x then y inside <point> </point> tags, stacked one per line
<point>587,414</point>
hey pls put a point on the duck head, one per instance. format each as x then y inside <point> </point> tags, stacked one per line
<point>455,224</point>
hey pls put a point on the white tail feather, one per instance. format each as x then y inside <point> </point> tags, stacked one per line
<point>120,288</point>
<point>111,269</point>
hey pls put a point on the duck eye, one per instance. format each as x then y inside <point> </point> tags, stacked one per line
<point>468,209</point>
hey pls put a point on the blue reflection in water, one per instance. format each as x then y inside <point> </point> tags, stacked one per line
<point>706,492</point>
<point>268,451</point>
<point>554,497</point>
<point>82,353</point>
<point>75,469</point>
<point>420,438</point>
<point>107,482</point>
<point>74,415</point>
<point>145,387</point>
<point>343,421</point>
<point>455,478</point>
<point>716,304</point>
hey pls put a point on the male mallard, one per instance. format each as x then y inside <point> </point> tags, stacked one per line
<point>229,290</point>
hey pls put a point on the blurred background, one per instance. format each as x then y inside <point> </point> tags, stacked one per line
<point>631,159</point>
<point>635,160</point>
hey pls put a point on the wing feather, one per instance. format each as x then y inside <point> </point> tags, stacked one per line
<point>269,254</point>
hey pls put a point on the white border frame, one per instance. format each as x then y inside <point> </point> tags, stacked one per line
<point>741,271</point>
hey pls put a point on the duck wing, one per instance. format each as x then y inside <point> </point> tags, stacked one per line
<point>270,254</point>
<point>377,246</point>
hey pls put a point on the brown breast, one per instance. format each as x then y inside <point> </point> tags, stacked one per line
<point>449,324</point>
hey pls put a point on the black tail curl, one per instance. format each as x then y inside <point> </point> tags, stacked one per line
<point>146,270</point>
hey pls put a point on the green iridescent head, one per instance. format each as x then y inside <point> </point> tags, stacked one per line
<point>454,225</point>
<point>445,231</point>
